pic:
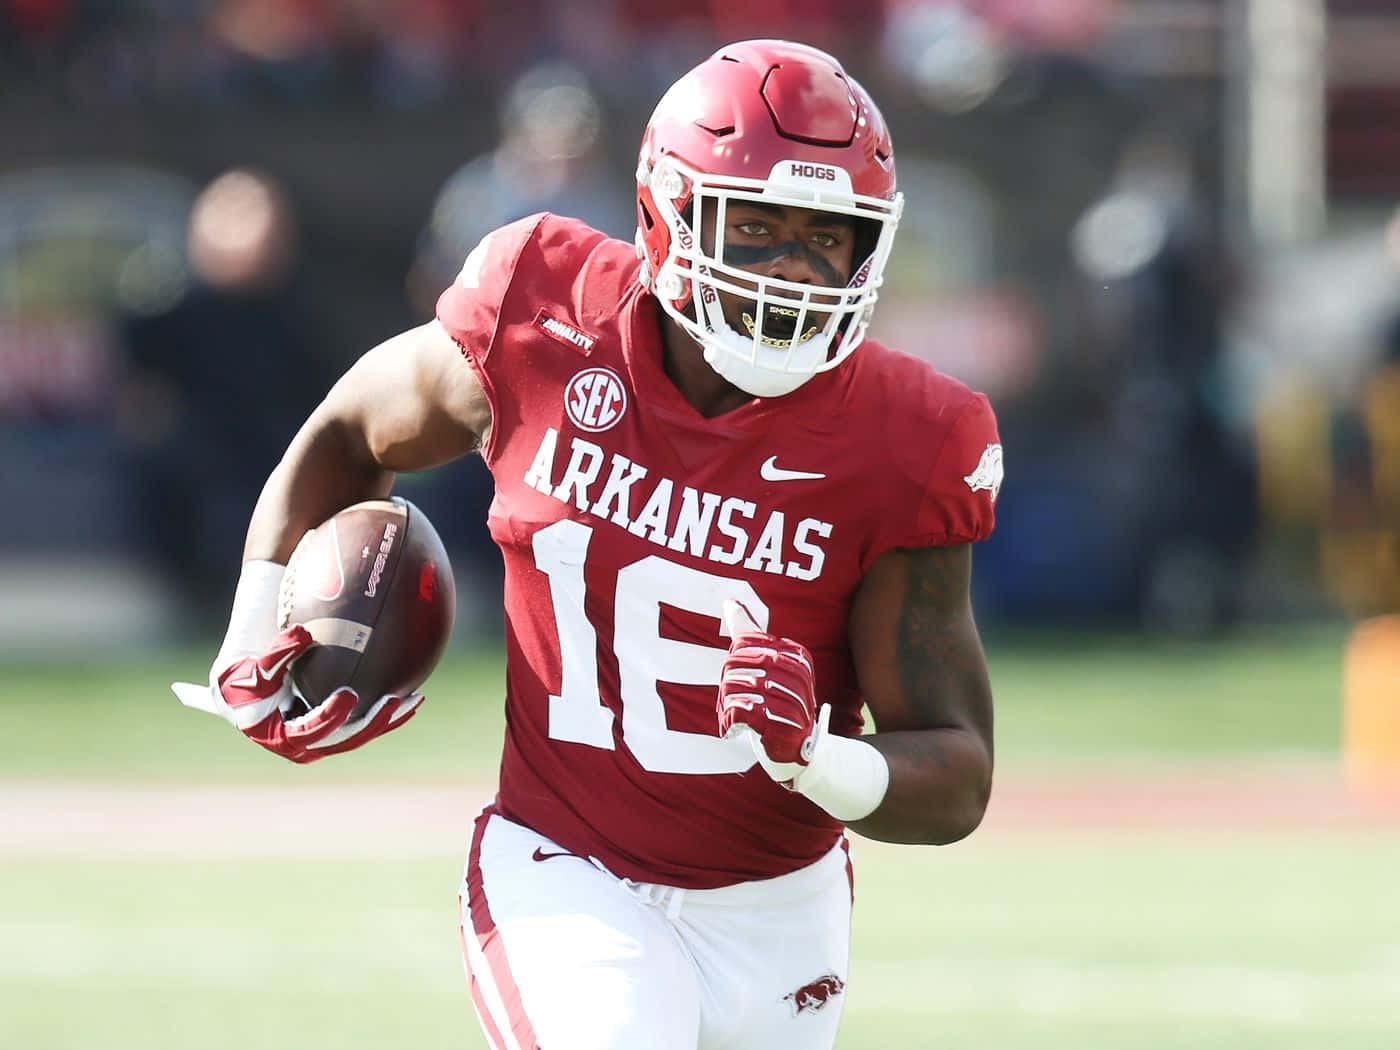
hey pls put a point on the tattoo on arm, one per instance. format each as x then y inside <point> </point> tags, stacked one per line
<point>922,636</point>
<point>925,679</point>
<point>941,666</point>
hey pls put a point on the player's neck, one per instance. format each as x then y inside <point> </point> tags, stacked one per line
<point>707,391</point>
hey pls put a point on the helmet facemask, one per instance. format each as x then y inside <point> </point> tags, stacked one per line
<point>791,330</point>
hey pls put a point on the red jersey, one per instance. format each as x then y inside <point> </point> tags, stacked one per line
<point>626,518</point>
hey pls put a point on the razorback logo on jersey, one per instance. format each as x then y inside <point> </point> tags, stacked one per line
<point>815,995</point>
<point>988,472</point>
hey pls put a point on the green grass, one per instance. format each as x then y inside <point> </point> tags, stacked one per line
<point>232,955</point>
<point>118,720</point>
<point>1083,696</point>
<point>1075,698</point>
<point>1013,940</point>
<point>1140,941</point>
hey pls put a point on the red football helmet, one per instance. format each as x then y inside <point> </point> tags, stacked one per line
<point>778,123</point>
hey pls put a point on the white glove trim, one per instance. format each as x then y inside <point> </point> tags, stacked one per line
<point>199,697</point>
<point>252,625</point>
<point>339,736</point>
<point>845,776</point>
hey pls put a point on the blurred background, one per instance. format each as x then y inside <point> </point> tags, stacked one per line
<point>1161,235</point>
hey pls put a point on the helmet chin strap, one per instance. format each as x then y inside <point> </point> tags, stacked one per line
<point>750,378</point>
<point>760,370</point>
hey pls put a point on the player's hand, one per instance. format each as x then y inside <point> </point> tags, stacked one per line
<point>255,696</point>
<point>767,692</point>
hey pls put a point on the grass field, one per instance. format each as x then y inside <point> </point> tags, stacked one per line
<point>1208,927</point>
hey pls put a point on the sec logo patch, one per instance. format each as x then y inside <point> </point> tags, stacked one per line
<point>595,399</point>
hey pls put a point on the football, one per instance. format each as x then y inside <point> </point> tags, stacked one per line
<point>374,587</point>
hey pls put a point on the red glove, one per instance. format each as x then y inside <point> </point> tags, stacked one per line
<point>254,695</point>
<point>767,689</point>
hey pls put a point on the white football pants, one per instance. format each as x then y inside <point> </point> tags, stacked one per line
<point>562,955</point>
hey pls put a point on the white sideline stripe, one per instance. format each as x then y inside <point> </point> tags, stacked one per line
<point>332,630</point>
<point>483,1022</point>
<point>490,994</point>
<point>481,969</point>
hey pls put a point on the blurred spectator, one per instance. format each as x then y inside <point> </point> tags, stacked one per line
<point>282,49</point>
<point>1051,253</point>
<point>1156,287</point>
<point>946,296</point>
<point>420,45</point>
<point>79,244</point>
<point>550,158</point>
<point>950,57</point>
<point>1318,343</point>
<point>235,338</point>
<point>1361,526</point>
<point>1132,419</point>
<point>37,22</point>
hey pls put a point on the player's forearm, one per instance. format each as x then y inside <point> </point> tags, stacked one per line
<point>327,467</point>
<point>940,781</point>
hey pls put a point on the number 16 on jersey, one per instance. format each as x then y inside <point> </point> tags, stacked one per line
<point>644,657</point>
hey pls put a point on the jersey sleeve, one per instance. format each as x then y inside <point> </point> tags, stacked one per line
<point>471,310</point>
<point>949,473</point>
<point>493,310</point>
<point>959,504</point>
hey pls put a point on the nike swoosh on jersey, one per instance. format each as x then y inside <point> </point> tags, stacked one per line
<point>770,471</point>
<point>540,854</point>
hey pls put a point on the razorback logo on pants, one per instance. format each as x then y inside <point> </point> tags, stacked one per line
<point>815,995</point>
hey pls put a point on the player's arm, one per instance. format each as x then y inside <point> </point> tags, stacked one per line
<point>408,404</point>
<point>925,774</point>
<point>923,674</point>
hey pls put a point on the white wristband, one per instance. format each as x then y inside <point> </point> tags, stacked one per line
<point>252,624</point>
<point>845,776</point>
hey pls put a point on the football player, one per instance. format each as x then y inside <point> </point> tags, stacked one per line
<point>729,520</point>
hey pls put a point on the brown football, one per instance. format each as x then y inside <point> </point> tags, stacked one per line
<point>374,587</point>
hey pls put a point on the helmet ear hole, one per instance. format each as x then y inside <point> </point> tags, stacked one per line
<point>648,220</point>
